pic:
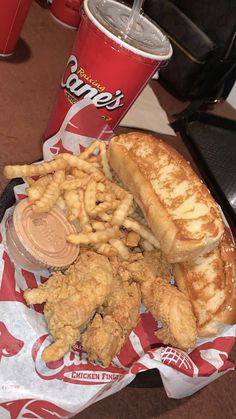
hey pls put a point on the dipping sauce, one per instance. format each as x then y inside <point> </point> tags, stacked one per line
<point>38,241</point>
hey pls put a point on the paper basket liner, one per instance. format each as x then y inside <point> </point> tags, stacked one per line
<point>29,387</point>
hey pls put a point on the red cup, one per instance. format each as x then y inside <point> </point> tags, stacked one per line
<point>67,12</point>
<point>12,17</point>
<point>106,68</point>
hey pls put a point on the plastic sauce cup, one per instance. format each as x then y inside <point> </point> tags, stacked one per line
<point>38,241</point>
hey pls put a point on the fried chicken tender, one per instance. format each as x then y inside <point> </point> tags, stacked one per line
<point>110,328</point>
<point>158,265</point>
<point>168,304</point>
<point>71,300</point>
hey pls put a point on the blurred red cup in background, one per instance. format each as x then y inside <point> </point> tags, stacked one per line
<point>67,12</point>
<point>12,18</point>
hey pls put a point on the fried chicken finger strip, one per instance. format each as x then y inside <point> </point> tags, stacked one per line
<point>24,170</point>
<point>64,339</point>
<point>71,299</point>
<point>168,304</point>
<point>106,334</point>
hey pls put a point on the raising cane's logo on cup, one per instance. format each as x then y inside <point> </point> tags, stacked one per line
<point>79,84</point>
<point>107,65</point>
<point>73,367</point>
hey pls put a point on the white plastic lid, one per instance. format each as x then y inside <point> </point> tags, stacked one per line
<point>111,17</point>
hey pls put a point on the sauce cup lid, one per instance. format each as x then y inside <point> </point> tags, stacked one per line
<point>43,236</point>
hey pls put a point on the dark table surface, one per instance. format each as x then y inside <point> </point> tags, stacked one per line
<point>28,84</point>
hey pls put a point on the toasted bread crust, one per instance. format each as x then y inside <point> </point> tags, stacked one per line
<point>210,284</point>
<point>176,204</point>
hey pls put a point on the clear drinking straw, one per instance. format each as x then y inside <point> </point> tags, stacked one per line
<point>134,16</point>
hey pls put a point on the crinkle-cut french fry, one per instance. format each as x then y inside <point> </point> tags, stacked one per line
<point>104,206</point>
<point>95,237</point>
<point>71,198</point>
<point>73,214</point>
<point>104,161</point>
<point>90,150</point>
<point>73,202</point>
<point>146,245</point>
<point>90,195</point>
<point>82,216</point>
<point>30,180</point>
<point>74,183</point>
<point>77,173</point>
<point>121,212</point>
<point>99,225</point>
<point>96,164</point>
<point>51,193</point>
<point>36,191</point>
<point>61,204</point>
<point>95,159</point>
<point>132,239</point>
<point>98,176</point>
<point>24,170</point>
<point>101,187</point>
<point>106,249</point>
<point>105,196</point>
<point>119,192</point>
<point>120,247</point>
<point>104,216</point>
<point>87,228</point>
<point>143,231</point>
<point>76,161</point>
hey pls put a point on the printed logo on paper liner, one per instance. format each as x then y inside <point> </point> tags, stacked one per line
<point>141,340</point>
<point>178,360</point>
<point>58,147</point>
<point>9,345</point>
<point>38,409</point>
<point>206,359</point>
<point>212,357</point>
<point>73,367</point>
<point>9,289</point>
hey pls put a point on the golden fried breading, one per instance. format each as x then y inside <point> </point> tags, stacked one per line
<point>157,263</point>
<point>71,299</point>
<point>109,330</point>
<point>102,339</point>
<point>168,304</point>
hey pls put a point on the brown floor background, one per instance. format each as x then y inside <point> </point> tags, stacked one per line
<point>28,85</point>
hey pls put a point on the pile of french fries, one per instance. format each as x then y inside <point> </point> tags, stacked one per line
<point>105,215</point>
